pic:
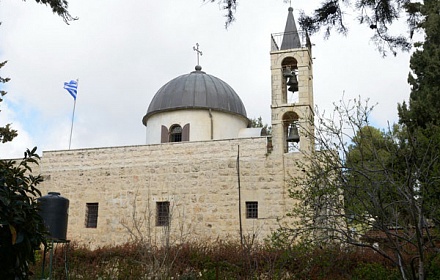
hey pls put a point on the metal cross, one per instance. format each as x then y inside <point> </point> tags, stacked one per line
<point>198,52</point>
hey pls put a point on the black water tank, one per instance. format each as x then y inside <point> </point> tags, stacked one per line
<point>54,211</point>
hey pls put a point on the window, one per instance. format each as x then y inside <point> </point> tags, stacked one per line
<point>91,215</point>
<point>251,209</point>
<point>176,133</point>
<point>162,213</point>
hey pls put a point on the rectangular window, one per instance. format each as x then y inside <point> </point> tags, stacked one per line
<point>162,213</point>
<point>91,215</point>
<point>251,209</point>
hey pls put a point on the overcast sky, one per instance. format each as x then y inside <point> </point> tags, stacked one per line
<point>122,52</point>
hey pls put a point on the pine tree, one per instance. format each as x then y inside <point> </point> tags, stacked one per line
<point>421,116</point>
<point>424,103</point>
<point>378,15</point>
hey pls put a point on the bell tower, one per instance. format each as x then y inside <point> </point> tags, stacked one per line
<point>292,90</point>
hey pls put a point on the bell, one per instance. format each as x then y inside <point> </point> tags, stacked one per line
<point>287,73</point>
<point>293,88</point>
<point>292,81</point>
<point>293,134</point>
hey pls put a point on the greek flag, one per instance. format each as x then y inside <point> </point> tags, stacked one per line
<point>72,88</point>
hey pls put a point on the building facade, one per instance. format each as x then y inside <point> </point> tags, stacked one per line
<point>204,174</point>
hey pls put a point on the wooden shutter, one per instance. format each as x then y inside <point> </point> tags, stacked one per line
<point>164,138</point>
<point>185,132</point>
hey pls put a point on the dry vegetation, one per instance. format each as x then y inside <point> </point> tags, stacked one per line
<point>221,261</point>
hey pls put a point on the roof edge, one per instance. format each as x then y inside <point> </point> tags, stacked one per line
<point>149,114</point>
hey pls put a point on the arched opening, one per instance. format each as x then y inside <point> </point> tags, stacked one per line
<point>289,62</point>
<point>291,135</point>
<point>289,68</point>
<point>175,133</point>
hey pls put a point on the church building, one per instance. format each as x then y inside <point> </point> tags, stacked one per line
<point>204,173</point>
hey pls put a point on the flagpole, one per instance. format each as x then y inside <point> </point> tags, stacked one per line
<point>73,116</point>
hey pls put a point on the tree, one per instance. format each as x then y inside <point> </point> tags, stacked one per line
<point>22,230</point>
<point>424,99</point>
<point>21,227</point>
<point>230,6</point>
<point>258,122</point>
<point>421,116</point>
<point>378,15</point>
<point>369,152</point>
<point>59,7</point>
<point>6,132</point>
<point>360,188</point>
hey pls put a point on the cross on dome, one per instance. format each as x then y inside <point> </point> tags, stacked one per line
<point>199,53</point>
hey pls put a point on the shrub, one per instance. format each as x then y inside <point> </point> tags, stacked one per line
<point>374,271</point>
<point>221,260</point>
<point>21,227</point>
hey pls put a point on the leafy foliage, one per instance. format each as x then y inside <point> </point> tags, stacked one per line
<point>422,118</point>
<point>21,227</point>
<point>6,132</point>
<point>378,15</point>
<point>363,187</point>
<point>258,122</point>
<point>230,6</point>
<point>424,99</point>
<point>59,7</point>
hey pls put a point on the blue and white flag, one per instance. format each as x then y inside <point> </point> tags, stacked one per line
<point>72,88</point>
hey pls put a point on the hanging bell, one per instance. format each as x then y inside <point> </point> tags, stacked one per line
<point>293,88</point>
<point>292,81</point>
<point>293,134</point>
<point>287,73</point>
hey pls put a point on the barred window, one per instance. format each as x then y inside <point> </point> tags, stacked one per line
<point>176,133</point>
<point>251,209</point>
<point>162,213</point>
<point>91,220</point>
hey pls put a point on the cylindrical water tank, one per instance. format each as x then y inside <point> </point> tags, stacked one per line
<point>54,211</point>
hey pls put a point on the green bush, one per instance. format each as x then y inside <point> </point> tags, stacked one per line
<point>374,271</point>
<point>21,227</point>
<point>433,268</point>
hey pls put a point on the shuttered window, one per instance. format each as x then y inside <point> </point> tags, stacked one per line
<point>176,133</point>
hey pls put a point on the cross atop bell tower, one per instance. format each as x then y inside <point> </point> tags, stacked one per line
<point>292,89</point>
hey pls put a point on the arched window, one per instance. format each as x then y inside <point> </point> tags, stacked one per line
<point>289,67</point>
<point>176,133</point>
<point>291,143</point>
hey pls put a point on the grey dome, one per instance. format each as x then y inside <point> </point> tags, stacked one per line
<point>196,90</point>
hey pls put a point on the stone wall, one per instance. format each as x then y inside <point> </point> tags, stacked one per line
<point>199,179</point>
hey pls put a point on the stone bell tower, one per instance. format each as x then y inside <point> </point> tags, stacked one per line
<point>292,90</point>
